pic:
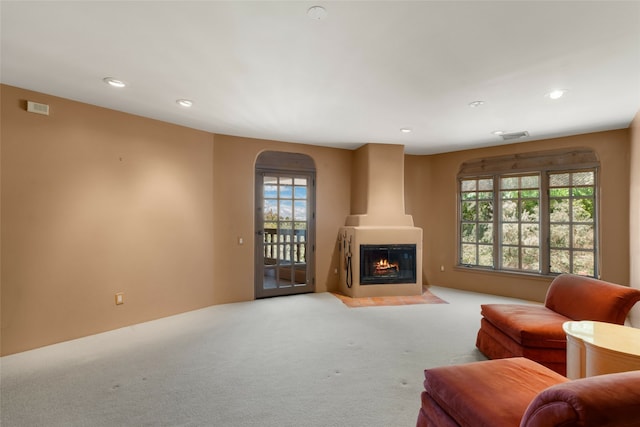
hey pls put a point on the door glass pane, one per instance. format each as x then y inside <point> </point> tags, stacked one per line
<point>285,220</point>
<point>299,250</point>
<point>286,191</point>
<point>300,212</point>
<point>270,211</point>
<point>270,187</point>
<point>286,210</point>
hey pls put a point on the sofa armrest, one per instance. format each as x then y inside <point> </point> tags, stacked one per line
<point>585,298</point>
<point>600,401</point>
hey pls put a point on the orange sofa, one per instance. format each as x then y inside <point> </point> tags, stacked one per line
<point>535,332</point>
<point>518,392</point>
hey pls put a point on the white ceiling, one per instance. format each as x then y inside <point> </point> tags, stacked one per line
<point>265,69</point>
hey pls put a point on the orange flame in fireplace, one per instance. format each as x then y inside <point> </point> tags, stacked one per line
<point>384,266</point>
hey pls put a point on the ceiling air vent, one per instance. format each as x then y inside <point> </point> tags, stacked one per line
<point>514,135</point>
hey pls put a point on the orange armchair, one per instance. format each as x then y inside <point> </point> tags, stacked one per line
<point>535,332</point>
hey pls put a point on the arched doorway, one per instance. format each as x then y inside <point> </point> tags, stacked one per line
<point>284,224</point>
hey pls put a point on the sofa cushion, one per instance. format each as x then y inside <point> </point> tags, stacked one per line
<point>431,414</point>
<point>599,401</point>
<point>528,325</point>
<point>512,349</point>
<point>496,345</point>
<point>585,298</point>
<point>467,393</point>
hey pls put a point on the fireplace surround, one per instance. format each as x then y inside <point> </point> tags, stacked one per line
<point>387,264</point>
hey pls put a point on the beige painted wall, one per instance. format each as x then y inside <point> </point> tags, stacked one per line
<point>234,195</point>
<point>96,202</point>
<point>634,214</point>
<point>434,178</point>
<point>418,202</point>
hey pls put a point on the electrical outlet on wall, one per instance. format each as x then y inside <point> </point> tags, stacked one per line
<point>119,298</point>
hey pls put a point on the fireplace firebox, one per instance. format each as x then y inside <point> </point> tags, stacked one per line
<point>387,264</point>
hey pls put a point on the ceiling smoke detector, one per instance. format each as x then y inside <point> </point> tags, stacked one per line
<point>317,13</point>
<point>514,135</point>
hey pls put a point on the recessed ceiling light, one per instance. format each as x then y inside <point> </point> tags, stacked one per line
<point>114,82</point>
<point>556,94</point>
<point>475,104</point>
<point>405,130</point>
<point>317,12</point>
<point>498,132</point>
<point>184,103</point>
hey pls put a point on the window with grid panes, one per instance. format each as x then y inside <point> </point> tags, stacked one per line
<point>541,221</point>
<point>476,222</point>
<point>519,246</point>
<point>572,223</point>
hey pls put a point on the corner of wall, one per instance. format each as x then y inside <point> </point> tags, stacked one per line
<point>634,214</point>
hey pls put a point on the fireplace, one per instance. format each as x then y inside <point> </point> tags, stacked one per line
<point>380,248</point>
<point>387,264</point>
<point>380,261</point>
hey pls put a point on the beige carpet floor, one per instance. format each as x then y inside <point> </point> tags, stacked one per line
<point>304,360</point>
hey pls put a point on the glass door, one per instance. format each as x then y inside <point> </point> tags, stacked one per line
<point>284,238</point>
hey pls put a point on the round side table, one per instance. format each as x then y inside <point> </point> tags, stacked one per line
<point>596,348</point>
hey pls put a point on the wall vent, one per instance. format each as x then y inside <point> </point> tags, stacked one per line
<point>514,135</point>
<point>36,107</point>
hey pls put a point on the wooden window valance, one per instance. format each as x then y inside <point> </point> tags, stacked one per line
<point>542,160</point>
